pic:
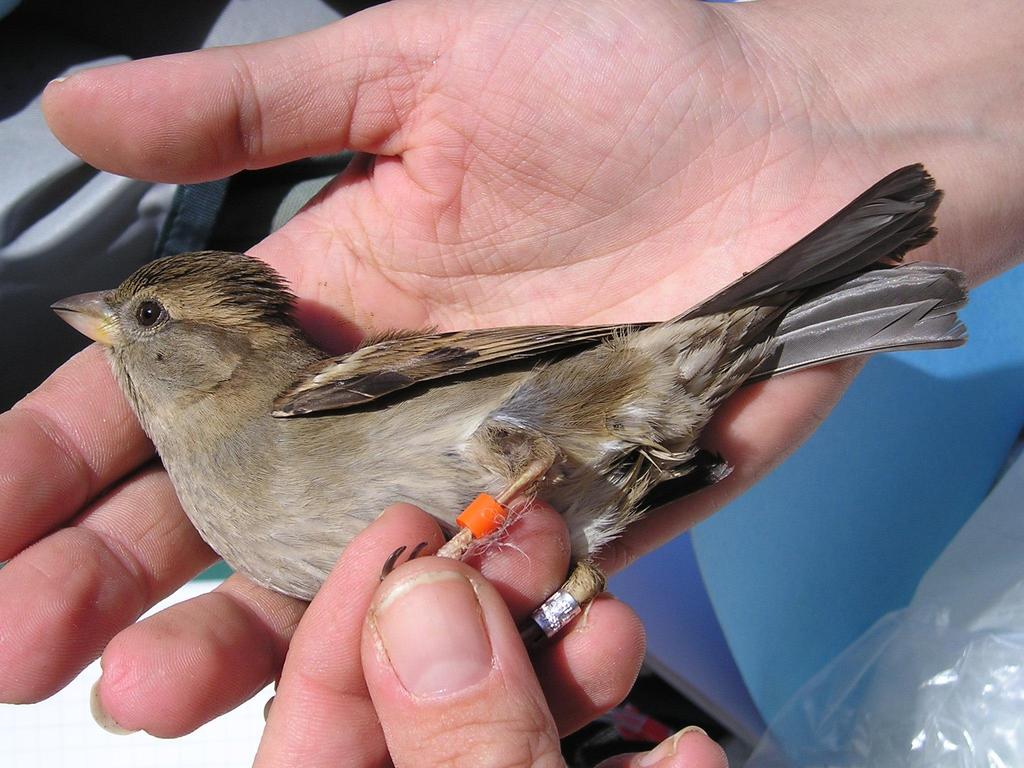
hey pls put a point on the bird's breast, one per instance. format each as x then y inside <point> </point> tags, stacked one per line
<point>279,499</point>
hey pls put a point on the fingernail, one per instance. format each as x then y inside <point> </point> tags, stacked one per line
<point>431,628</point>
<point>101,716</point>
<point>668,747</point>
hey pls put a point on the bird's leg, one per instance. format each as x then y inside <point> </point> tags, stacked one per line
<point>585,582</point>
<point>524,455</point>
<point>527,456</point>
<point>532,474</point>
<point>511,452</point>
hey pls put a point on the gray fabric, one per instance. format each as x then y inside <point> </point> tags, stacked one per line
<point>65,227</point>
<point>259,202</point>
<point>296,198</point>
<point>191,218</point>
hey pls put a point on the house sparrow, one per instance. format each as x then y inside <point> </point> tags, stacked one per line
<point>281,455</point>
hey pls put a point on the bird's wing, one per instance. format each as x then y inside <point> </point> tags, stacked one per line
<point>398,362</point>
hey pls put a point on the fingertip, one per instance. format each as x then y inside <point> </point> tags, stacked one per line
<point>696,748</point>
<point>399,525</point>
<point>430,633</point>
<point>207,114</point>
<point>100,714</point>
<point>69,105</point>
<point>111,708</point>
<point>407,515</point>
<point>689,748</point>
<point>322,682</point>
<point>51,101</point>
<point>182,667</point>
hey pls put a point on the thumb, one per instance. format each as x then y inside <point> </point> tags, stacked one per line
<point>448,674</point>
<point>205,115</point>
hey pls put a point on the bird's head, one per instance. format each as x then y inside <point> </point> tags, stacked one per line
<point>180,327</point>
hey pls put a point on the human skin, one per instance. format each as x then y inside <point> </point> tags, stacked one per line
<point>461,692</point>
<point>549,163</point>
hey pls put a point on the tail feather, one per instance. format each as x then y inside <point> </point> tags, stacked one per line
<point>837,293</point>
<point>912,307</point>
<point>879,227</point>
<point>840,291</point>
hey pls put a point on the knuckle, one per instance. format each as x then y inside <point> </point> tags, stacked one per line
<point>47,440</point>
<point>87,576</point>
<point>247,110</point>
<point>520,740</point>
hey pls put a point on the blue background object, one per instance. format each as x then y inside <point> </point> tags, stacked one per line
<point>685,644</point>
<point>842,532</point>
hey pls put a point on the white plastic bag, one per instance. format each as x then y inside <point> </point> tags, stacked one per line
<point>939,684</point>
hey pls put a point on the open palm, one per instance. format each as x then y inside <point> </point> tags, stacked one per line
<point>547,163</point>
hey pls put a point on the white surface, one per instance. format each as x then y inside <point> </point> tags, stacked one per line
<point>60,732</point>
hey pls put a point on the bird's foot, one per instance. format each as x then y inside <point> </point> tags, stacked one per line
<point>392,562</point>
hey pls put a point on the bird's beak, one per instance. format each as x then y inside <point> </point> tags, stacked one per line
<point>90,314</point>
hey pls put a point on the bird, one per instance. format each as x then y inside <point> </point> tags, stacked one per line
<point>281,454</point>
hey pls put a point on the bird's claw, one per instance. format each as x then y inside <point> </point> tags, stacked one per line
<point>392,562</point>
<point>417,550</point>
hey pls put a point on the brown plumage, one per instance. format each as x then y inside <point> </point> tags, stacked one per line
<point>206,351</point>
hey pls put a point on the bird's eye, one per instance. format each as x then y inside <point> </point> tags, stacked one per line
<point>148,312</point>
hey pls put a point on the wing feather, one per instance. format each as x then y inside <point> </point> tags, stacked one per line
<point>401,361</point>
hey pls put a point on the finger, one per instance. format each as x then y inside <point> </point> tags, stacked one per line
<point>182,667</point>
<point>591,668</point>
<point>690,748</point>
<point>62,599</point>
<point>528,561</point>
<point>448,673</point>
<point>322,683</point>
<point>208,114</point>
<point>61,446</point>
<point>526,564</point>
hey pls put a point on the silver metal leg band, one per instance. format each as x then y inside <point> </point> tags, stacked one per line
<point>557,611</point>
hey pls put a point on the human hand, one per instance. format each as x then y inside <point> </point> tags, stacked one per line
<point>525,157</point>
<point>432,659</point>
